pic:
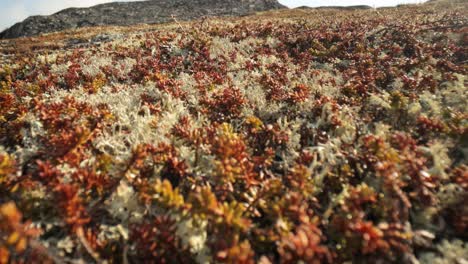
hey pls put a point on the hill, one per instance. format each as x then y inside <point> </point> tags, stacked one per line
<point>131,13</point>
<point>287,136</point>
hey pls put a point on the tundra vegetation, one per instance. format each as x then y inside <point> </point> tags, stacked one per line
<point>291,136</point>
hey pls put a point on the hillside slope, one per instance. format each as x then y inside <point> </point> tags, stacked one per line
<point>289,136</point>
<point>131,13</point>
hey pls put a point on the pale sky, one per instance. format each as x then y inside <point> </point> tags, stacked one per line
<point>13,11</point>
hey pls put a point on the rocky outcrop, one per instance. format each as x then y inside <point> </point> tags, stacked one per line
<point>130,13</point>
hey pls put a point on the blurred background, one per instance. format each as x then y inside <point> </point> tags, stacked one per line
<point>14,11</point>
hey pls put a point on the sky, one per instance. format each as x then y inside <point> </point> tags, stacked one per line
<point>14,11</point>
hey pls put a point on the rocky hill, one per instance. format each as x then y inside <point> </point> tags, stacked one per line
<point>131,13</point>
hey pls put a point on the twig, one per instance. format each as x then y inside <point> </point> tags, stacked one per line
<point>86,245</point>
<point>124,254</point>
<point>178,23</point>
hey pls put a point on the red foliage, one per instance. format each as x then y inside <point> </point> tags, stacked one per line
<point>73,75</point>
<point>304,245</point>
<point>157,241</point>
<point>71,205</point>
<point>225,104</point>
<point>153,104</point>
<point>300,94</point>
<point>426,126</point>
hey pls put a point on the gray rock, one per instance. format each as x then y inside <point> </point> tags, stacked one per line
<point>131,13</point>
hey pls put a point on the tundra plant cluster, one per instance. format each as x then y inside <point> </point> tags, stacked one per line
<point>299,136</point>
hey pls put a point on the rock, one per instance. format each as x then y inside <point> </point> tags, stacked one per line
<point>131,13</point>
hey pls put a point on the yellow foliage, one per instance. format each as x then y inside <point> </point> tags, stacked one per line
<point>7,167</point>
<point>232,162</point>
<point>232,215</point>
<point>254,121</point>
<point>167,195</point>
